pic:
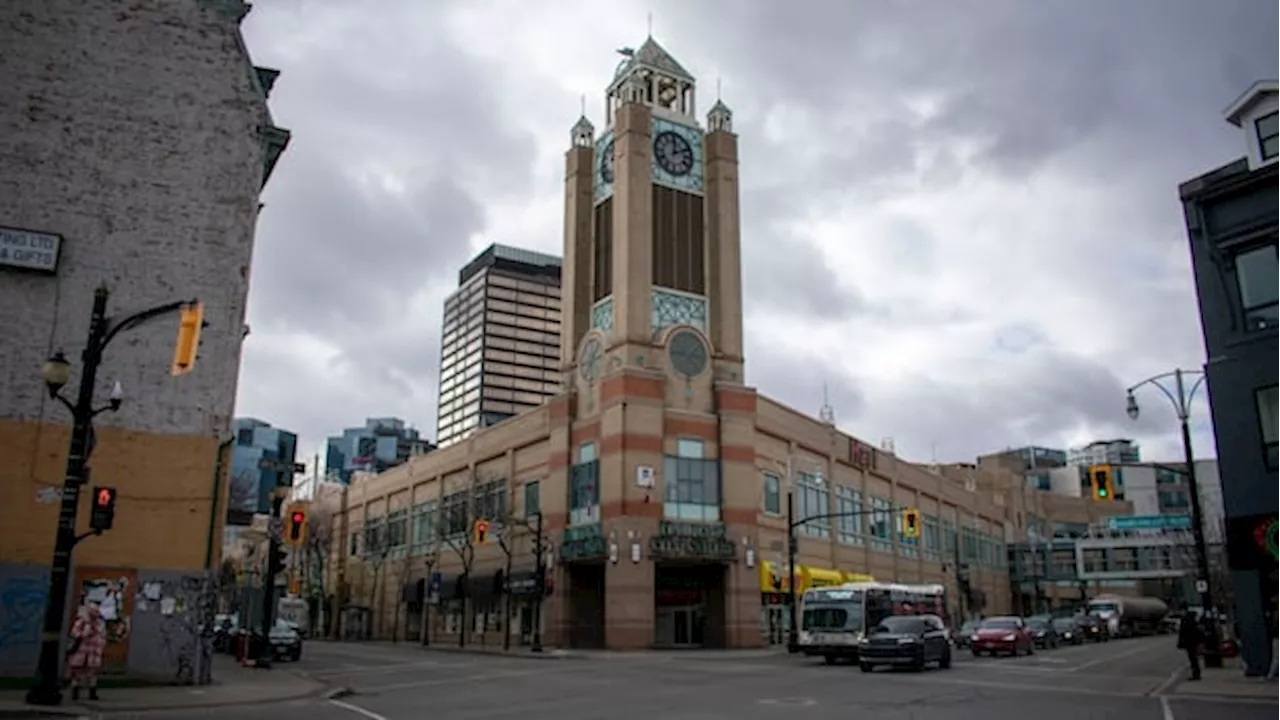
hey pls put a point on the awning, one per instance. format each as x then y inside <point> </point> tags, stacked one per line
<point>774,579</point>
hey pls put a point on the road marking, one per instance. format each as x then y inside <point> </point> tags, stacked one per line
<point>1164,708</point>
<point>1168,682</point>
<point>358,710</point>
<point>1112,658</point>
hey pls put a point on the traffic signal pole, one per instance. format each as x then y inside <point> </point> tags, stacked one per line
<point>46,688</point>
<point>910,527</point>
<point>269,582</point>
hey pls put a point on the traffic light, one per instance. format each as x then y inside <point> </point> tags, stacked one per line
<point>104,508</point>
<point>281,561</point>
<point>480,532</point>
<point>296,531</point>
<point>911,523</point>
<point>190,321</point>
<point>1100,483</point>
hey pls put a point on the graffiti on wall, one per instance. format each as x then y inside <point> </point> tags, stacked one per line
<point>112,589</point>
<point>185,606</point>
<point>21,610</point>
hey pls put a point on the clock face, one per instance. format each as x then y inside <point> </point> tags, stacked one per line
<point>673,153</point>
<point>606,163</point>
<point>589,365</point>
<point>688,353</point>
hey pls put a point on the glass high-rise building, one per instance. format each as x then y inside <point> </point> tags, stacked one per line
<point>500,346</point>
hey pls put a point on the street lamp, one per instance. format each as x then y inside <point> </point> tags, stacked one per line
<point>56,373</point>
<point>1181,397</point>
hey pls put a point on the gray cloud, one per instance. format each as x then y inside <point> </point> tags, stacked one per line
<point>405,144</point>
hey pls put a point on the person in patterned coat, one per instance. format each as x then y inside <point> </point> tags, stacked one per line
<point>88,640</point>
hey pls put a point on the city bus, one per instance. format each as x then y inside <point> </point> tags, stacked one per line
<point>834,619</point>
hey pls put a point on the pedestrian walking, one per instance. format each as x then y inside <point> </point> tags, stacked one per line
<point>84,658</point>
<point>1275,641</point>
<point>1191,641</point>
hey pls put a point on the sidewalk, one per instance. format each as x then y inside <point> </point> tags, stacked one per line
<point>550,653</point>
<point>233,685</point>
<point>1227,681</point>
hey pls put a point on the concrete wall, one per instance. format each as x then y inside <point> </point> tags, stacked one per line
<point>151,639</point>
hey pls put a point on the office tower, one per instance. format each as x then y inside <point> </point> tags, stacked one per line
<point>500,345</point>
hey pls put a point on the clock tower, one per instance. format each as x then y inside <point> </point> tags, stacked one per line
<point>652,275</point>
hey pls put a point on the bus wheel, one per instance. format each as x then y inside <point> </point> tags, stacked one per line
<point>829,659</point>
<point>866,667</point>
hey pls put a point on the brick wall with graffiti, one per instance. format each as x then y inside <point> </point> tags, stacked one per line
<point>158,622</point>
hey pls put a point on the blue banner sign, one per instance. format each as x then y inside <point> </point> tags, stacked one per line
<point>1149,522</point>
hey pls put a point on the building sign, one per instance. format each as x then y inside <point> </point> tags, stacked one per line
<point>30,250</point>
<point>585,542</point>
<point>1149,522</point>
<point>676,540</point>
<point>861,455</point>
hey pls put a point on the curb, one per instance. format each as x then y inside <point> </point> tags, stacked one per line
<point>83,711</point>
<point>520,655</point>
<point>1222,697</point>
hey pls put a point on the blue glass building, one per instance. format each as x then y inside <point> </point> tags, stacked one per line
<point>250,482</point>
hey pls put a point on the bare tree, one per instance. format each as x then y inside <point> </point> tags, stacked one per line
<point>242,493</point>
<point>430,560</point>
<point>377,558</point>
<point>462,543</point>
<point>403,566</point>
<point>315,560</point>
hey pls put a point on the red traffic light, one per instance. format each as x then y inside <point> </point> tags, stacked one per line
<point>298,518</point>
<point>105,496</point>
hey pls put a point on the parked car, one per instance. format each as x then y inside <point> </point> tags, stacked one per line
<point>906,640</point>
<point>1070,630</point>
<point>1043,634</point>
<point>286,644</point>
<point>966,631</point>
<point>1002,636</point>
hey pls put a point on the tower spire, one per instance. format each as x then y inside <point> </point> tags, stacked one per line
<point>650,25</point>
<point>826,414</point>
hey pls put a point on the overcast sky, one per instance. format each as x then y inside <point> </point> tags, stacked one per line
<point>962,215</point>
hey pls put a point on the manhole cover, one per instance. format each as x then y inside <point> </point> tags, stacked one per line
<point>788,701</point>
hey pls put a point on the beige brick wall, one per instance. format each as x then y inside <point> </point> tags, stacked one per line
<point>166,493</point>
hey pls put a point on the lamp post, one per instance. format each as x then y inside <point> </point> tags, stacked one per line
<point>1181,397</point>
<point>56,373</point>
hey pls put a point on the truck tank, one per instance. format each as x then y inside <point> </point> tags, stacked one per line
<point>1129,615</point>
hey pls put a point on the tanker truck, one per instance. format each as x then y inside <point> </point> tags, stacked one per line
<point>1129,616</point>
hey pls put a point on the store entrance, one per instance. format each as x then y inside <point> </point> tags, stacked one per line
<point>689,606</point>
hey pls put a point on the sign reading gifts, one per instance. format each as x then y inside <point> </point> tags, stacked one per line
<point>29,250</point>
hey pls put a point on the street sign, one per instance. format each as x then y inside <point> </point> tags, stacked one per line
<point>1149,522</point>
<point>1202,586</point>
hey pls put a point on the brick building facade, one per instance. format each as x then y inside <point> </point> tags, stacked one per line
<point>138,138</point>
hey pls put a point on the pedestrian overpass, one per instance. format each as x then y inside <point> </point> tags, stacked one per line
<point>1122,549</point>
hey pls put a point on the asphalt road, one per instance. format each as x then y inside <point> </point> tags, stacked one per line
<point>1122,679</point>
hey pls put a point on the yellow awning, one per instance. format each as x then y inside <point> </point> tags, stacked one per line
<point>812,577</point>
<point>774,579</point>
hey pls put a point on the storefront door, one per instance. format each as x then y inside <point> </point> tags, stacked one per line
<point>684,626</point>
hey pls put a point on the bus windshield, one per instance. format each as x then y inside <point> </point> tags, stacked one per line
<point>832,610</point>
